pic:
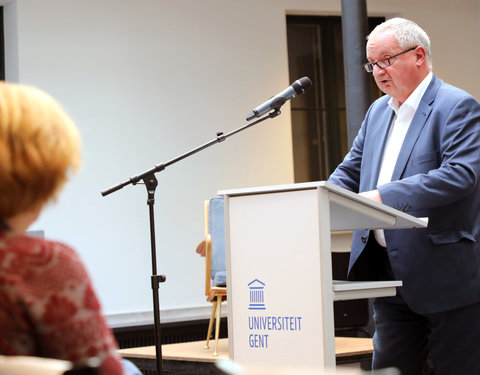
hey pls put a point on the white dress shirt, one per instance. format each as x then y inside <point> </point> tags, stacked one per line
<point>398,130</point>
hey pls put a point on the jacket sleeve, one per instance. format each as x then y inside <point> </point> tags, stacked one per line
<point>428,186</point>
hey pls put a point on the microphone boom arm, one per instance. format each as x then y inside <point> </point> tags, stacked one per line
<point>160,167</point>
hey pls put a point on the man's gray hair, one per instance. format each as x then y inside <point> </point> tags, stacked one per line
<point>407,33</point>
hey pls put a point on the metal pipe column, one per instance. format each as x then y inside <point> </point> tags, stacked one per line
<point>354,32</point>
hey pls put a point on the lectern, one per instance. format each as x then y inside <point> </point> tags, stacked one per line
<point>280,287</point>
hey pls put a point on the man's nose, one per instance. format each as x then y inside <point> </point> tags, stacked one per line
<point>377,69</point>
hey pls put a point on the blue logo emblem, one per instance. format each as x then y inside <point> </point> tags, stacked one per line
<point>257,300</point>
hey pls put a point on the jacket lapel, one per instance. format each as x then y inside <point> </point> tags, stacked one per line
<point>416,126</point>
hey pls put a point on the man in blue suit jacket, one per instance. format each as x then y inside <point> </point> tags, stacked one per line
<point>418,150</point>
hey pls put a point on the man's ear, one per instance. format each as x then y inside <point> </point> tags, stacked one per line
<point>421,55</point>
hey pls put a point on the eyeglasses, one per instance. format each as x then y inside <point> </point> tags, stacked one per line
<point>384,63</point>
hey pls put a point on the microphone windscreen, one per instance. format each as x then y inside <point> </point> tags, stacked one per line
<point>304,84</point>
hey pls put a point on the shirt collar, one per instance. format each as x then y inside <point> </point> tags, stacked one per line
<point>413,100</point>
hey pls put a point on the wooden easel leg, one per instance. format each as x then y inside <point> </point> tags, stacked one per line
<point>210,324</point>
<point>217,326</point>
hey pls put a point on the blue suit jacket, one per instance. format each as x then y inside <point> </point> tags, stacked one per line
<point>436,176</point>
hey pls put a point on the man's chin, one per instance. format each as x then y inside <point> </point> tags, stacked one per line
<point>386,89</point>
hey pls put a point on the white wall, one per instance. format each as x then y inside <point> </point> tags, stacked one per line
<point>149,80</point>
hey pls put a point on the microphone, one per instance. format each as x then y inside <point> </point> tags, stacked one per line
<point>298,87</point>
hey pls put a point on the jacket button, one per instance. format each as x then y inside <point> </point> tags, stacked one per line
<point>364,239</point>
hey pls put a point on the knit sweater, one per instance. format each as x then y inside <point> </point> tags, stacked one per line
<point>48,307</point>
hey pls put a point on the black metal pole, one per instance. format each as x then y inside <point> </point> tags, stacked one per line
<point>151,184</point>
<point>354,31</point>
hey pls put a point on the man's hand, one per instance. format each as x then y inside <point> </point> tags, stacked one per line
<point>373,195</point>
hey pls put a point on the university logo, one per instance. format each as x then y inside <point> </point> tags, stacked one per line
<point>257,300</point>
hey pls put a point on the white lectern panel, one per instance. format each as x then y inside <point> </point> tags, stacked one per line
<point>275,279</point>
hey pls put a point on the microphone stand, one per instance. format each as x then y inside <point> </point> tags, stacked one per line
<point>150,181</point>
